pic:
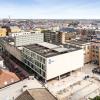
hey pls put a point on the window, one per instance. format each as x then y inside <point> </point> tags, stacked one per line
<point>40,59</point>
<point>28,63</point>
<point>43,67</point>
<point>97,56</point>
<point>25,61</point>
<point>32,66</point>
<point>87,52</point>
<point>88,47</point>
<point>93,55</point>
<point>93,51</point>
<point>43,60</point>
<point>96,47</point>
<point>96,51</point>
<point>37,57</point>
<point>44,74</point>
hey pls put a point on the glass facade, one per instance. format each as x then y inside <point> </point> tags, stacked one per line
<point>35,61</point>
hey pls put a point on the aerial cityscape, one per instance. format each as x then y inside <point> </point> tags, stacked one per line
<point>49,50</point>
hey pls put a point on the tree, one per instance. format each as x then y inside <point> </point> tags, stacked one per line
<point>95,98</point>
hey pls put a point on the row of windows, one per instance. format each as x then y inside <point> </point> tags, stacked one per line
<point>40,71</point>
<point>95,47</point>
<point>34,56</point>
<point>88,47</point>
<point>96,56</point>
<point>36,63</point>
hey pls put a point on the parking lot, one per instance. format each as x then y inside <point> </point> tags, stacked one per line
<point>77,86</point>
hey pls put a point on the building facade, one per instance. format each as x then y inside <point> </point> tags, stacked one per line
<point>28,39</point>
<point>49,61</point>
<point>65,37</point>
<point>96,52</point>
<point>51,37</point>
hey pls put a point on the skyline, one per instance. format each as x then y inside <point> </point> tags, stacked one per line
<point>50,9</point>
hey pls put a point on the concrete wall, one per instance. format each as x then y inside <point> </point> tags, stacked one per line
<point>13,51</point>
<point>64,63</point>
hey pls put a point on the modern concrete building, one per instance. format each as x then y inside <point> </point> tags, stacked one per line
<point>28,39</point>
<point>13,45</point>
<point>86,46</point>
<point>51,37</point>
<point>49,61</point>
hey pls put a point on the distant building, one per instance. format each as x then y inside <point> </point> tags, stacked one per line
<point>96,52</point>
<point>51,37</point>
<point>2,32</point>
<point>36,94</point>
<point>97,32</point>
<point>66,34</point>
<point>49,61</point>
<point>27,39</point>
<point>15,29</point>
<point>88,34</point>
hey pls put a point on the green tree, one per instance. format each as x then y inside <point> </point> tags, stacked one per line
<point>96,98</point>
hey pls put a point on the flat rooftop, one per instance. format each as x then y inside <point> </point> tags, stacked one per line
<point>47,50</point>
<point>79,42</point>
<point>67,30</point>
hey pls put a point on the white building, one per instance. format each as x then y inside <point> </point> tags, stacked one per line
<point>28,38</point>
<point>49,61</point>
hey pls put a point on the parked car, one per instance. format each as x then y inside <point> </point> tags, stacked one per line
<point>96,70</point>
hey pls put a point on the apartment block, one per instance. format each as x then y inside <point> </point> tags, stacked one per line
<point>51,37</point>
<point>96,52</point>
<point>66,34</point>
<point>2,32</point>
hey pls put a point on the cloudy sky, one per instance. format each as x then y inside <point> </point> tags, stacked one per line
<point>60,9</point>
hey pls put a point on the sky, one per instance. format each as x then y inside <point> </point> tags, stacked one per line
<point>50,9</point>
